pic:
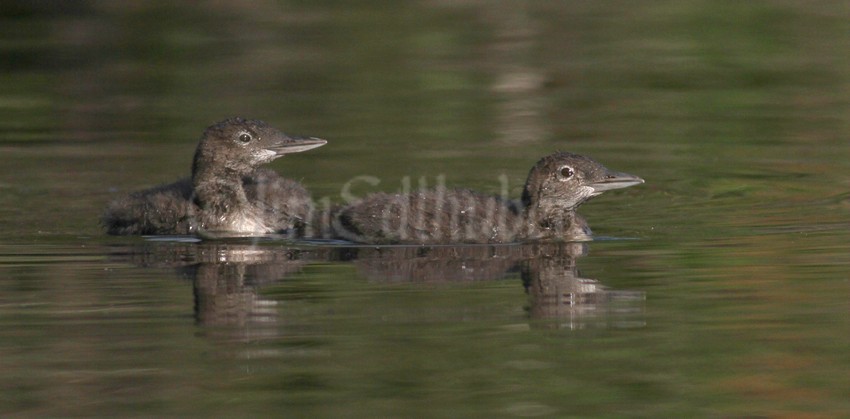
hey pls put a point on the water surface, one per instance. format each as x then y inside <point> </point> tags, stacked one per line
<point>721,287</point>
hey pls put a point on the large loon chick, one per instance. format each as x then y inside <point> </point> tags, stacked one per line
<point>555,187</point>
<point>227,194</point>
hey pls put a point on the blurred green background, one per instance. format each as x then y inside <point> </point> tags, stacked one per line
<point>735,113</point>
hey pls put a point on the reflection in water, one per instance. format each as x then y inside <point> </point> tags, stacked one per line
<point>227,278</point>
<point>557,291</point>
<point>435,264</point>
<point>226,281</point>
<point>549,273</point>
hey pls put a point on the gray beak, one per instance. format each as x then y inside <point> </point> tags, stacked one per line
<point>615,180</point>
<point>288,145</point>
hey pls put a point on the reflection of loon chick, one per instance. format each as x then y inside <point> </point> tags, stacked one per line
<point>227,192</point>
<point>556,186</point>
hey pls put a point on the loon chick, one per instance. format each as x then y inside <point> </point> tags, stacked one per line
<point>555,187</point>
<point>227,193</point>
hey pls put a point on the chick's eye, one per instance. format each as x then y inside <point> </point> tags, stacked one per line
<point>245,137</point>
<point>566,172</point>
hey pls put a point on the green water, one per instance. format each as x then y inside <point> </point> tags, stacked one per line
<point>720,288</point>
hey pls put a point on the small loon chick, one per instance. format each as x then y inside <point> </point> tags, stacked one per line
<point>556,186</point>
<point>227,193</point>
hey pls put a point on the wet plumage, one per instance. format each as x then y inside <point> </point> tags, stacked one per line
<point>228,193</point>
<point>555,187</point>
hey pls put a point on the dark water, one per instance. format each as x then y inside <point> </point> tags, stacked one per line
<point>720,288</point>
